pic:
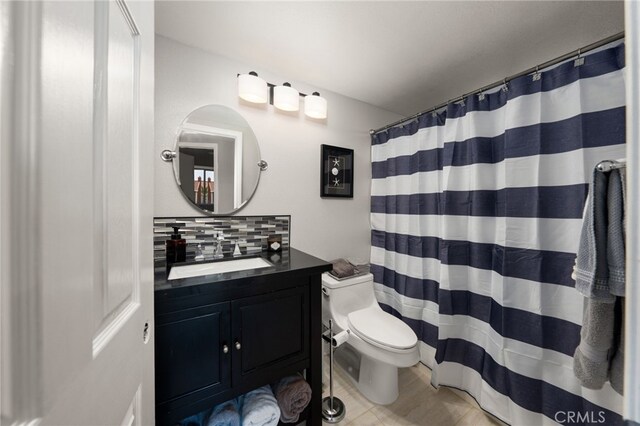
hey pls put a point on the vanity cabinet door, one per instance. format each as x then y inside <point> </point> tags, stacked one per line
<point>269,332</point>
<point>190,352</point>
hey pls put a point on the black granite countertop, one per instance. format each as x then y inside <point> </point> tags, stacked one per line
<point>288,261</point>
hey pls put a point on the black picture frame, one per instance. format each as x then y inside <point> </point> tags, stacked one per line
<point>336,172</point>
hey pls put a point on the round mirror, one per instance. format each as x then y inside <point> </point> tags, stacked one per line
<point>216,159</point>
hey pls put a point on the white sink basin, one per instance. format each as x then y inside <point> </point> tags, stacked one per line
<point>197,270</point>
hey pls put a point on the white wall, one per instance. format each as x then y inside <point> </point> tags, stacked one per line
<point>187,78</point>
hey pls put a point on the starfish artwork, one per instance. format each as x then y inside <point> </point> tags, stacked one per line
<point>336,168</point>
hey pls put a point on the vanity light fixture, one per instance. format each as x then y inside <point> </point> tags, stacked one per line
<point>254,89</point>
<point>286,98</point>
<point>315,106</point>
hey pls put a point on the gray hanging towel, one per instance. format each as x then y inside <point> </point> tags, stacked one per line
<point>616,262</point>
<point>600,276</point>
<point>591,271</point>
<point>592,356</point>
<point>616,372</point>
<point>616,232</point>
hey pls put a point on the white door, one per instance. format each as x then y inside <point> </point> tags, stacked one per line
<point>632,300</point>
<point>76,179</point>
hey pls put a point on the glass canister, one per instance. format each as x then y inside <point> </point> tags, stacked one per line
<point>274,243</point>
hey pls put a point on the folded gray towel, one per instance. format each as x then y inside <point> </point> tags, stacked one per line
<point>293,394</point>
<point>591,359</point>
<point>591,271</point>
<point>616,232</point>
<point>343,268</point>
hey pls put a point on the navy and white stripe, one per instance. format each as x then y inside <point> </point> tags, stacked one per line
<point>476,216</point>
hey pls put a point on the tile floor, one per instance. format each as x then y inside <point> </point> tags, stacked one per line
<point>419,403</point>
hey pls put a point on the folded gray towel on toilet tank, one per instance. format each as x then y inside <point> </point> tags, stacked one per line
<point>343,268</point>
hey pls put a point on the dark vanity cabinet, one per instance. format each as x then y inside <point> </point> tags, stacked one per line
<point>272,332</point>
<point>193,351</point>
<point>219,337</point>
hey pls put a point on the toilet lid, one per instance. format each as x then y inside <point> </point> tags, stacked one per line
<point>382,329</point>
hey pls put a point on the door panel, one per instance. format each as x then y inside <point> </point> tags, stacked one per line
<point>80,241</point>
<point>64,126</point>
<point>123,64</point>
<point>116,172</point>
<point>272,330</point>
<point>190,356</point>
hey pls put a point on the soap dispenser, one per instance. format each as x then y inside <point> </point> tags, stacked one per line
<point>176,247</point>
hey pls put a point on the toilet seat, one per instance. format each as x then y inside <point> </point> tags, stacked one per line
<point>381,329</point>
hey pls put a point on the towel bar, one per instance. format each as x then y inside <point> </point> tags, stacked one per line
<point>608,165</point>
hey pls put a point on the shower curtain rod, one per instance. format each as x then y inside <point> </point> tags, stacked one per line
<point>543,65</point>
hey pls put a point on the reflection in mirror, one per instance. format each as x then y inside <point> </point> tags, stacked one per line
<point>197,176</point>
<point>217,155</point>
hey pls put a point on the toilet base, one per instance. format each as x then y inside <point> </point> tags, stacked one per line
<point>378,381</point>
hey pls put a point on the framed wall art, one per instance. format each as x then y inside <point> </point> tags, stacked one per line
<point>336,170</point>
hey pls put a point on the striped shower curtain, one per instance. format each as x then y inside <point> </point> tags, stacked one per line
<point>476,216</point>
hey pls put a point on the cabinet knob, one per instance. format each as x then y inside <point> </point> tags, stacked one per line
<point>225,349</point>
<point>238,345</point>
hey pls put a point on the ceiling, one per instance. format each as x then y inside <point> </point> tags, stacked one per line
<point>400,56</point>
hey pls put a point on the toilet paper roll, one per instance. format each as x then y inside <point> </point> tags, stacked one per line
<point>340,338</point>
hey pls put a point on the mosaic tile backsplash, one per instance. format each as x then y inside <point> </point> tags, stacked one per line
<point>251,232</point>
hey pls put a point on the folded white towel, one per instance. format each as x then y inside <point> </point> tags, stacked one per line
<point>225,414</point>
<point>260,408</point>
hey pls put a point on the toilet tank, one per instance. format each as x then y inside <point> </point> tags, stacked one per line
<point>340,297</point>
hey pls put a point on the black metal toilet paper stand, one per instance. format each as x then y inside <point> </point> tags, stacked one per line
<point>333,409</point>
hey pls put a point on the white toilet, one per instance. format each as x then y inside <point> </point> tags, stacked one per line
<point>384,343</point>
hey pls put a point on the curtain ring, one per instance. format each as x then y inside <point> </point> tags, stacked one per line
<point>579,60</point>
<point>537,75</point>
